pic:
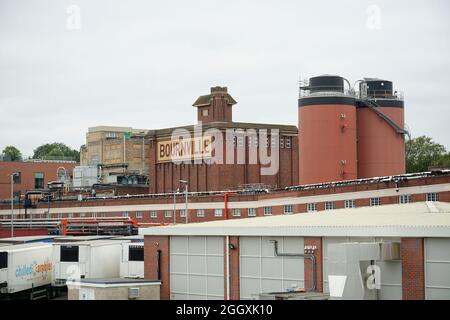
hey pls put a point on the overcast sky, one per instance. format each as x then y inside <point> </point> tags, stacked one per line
<point>143,63</point>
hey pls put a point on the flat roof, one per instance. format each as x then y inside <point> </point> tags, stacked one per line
<point>420,219</point>
<point>91,243</point>
<point>27,238</point>
<point>24,246</point>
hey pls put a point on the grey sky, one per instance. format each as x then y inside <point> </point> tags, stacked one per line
<point>143,63</point>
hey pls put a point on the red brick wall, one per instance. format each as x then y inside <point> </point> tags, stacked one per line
<point>317,242</point>
<point>6,233</point>
<point>413,268</point>
<point>151,245</point>
<point>235,293</point>
<point>27,170</point>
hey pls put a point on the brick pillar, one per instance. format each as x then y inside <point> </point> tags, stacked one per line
<point>151,246</point>
<point>235,293</point>
<point>315,242</point>
<point>413,269</point>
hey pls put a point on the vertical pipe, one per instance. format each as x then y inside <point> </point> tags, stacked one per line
<point>12,204</point>
<point>227,253</point>
<point>187,213</point>
<point>174,208</point>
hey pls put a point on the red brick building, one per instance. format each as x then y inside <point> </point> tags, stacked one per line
<point>239,152</point>
<point>31,175</point>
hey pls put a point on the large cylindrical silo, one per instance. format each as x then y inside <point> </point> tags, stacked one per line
<point>327,131</point>
<point>380,130</point>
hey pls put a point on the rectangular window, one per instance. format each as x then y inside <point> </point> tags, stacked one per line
<point>125,214</point>
<point>136,253</point>
<point>39,180</point>
<point>3,260</point>
<point>167,213</point>
<point>405,198</point>
<point>375,201</point>
<point>236,212</point>
<point>205,112</point>
<point>267,211</point>
<point>82,215</point>
<point>288,142</point>
<point>69,254</point>
<point>311,207</point>
<point>60,215</point>
<point>70,215</point>
<point>217,212</point>
<point>349,204</point>
<point>281,142</point>
<point>139,215</point>
<point>330,205</point>
<point>153,214</point>
<point>183,213</point>
<point>432,196</point>
<point>200,213</point>
<point>251,212</point>
<point>288,209</point>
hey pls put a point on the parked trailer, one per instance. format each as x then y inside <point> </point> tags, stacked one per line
<point>86,260</point>
<point>25,267</point>
<point>132,260</point>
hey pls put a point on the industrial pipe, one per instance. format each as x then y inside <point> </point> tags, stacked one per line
<point>303,255</point>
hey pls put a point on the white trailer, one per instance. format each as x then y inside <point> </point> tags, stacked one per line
<point>132,260</point>
<point>25,266</point>
<point>86,260</point>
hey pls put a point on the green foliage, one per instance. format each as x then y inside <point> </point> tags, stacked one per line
<point>422,152</point>
<point>12,153</point>
<point>56,151</point>
<point>443,161</point>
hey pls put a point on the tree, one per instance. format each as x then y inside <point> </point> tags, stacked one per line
<point>56,151</point>
<point>421,153</point>
<point>442,162</point>
<point>12,153</point>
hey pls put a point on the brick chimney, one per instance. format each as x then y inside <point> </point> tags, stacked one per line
<point>215,106</point>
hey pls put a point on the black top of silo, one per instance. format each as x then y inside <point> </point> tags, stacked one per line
<point>326,83</point>
<point>379,88</point>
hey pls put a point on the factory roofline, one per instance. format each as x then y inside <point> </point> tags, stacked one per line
<point>420,219</point>
<point>290,129</point>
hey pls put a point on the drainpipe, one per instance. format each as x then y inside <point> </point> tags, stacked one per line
<point>225,202</point>
<point>302,255</point>
<point>227,253</point>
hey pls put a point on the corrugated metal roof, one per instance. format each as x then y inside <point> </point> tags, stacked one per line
<point>421,219</point>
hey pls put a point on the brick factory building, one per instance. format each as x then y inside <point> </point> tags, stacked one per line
<point>240,163</point>
<point>32,175</point>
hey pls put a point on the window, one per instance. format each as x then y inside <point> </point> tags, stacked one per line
<point>82,215</point>
<point>200,213</point>
<point>217,212</point>
<point>70,215</point>
<point>205,112</point>
<point>349,204</point>
<point>375,202</point>
<point>60,215</point>
<point>330,205</point>
<point>69,254</point>
<point>3,260</point>
<point>135,253</point>
<point>236,212</point>
<point>183,213</point>
<point>139,215</point>
<point>311,207</point>
<point>251,212</point>
<point>432,196</point>
<point>39,180</point>
<point>267,211</point>
<point>153,214</point>
<point>288,209</point>
<point>168,213</point>
<point>17,178</point>
<point>288,142</point>
<point>125,214</point>
<point>405,198</point>
<point>281,142</point>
